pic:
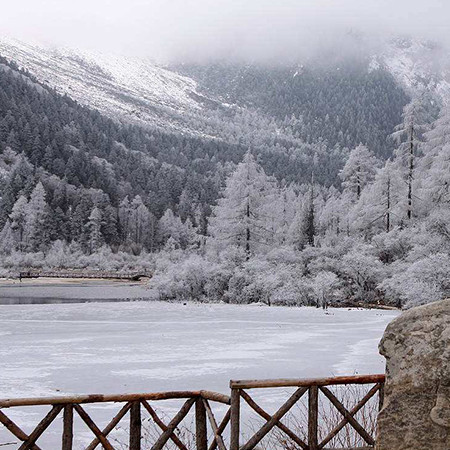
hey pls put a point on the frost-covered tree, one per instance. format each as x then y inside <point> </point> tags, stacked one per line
<point>181,234</point>
<point>36,224</point>
<point>18,218</point>
<point>7,241</point>
<point>94,227</point>
<point>124,217</point>
<point>434,166</point>
<point>380,205</point>
<point>309,223</point>
<point>359,170</point>
<point>282,215</point>
<point>242,215</point>
<point>322,286</point>
<point>332,217</point>
<point>139,221</point>
<point>409,136</point>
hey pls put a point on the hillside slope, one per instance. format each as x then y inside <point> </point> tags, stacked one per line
<point>124,88</point>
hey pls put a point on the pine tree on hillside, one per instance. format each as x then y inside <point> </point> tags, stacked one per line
<point>18,218</point>
<point>409,136</point>
<point>434,166</point>
<point>381,203</point>
<point>36,225</point>
<point>94,227</point>
<point>7,241</point>
<point>359,170</point>
<point>242,215</point>
<point>309,222</point>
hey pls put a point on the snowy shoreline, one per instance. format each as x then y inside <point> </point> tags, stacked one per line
<point>82,290</point>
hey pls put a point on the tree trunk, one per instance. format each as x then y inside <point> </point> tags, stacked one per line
<point>247,239</point>
<point>388,207</point>
<point>410,173</point>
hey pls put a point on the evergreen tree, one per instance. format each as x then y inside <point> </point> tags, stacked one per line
<point>409,136</point>
<point>18,218</point>
<point>241,215</point>
<point>359,170</point>
<point>36,224</point>
<point>7,241</point>
<point>94,227</point>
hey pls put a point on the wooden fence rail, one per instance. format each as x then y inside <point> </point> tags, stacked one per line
<point>210,434</point>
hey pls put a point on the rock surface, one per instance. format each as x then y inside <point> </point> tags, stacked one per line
<point>416,410</point>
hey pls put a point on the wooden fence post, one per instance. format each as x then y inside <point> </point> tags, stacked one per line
<point>201,430</point>
<point>235,418</point>
<point>135,426</point>
<point>313,417</point>
<point>67,438</point>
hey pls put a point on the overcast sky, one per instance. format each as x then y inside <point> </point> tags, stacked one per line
<point>248,29</point>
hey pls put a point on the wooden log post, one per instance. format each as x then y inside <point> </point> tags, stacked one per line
<point>235,418</point>
<point>67,437</point>
<point>201,430</point>
<point>313,417</point>
<point>135,426</point>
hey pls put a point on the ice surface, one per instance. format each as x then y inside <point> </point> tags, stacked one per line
<point>150,346</point>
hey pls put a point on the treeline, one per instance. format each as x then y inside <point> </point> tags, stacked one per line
<point>86,161</point>
<point>97,174</point>
<point>259,216</point>
<point>383,238</point>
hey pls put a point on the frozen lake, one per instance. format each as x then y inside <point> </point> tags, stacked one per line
<point>56,349</point>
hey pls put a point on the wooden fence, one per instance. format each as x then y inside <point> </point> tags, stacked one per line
<point>311,388</point>
<point>201,403</point>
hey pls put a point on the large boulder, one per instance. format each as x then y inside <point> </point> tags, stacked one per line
<point>416,409</point>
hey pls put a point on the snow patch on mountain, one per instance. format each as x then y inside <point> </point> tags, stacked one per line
<point>125,88</point>
<point>417,65</point>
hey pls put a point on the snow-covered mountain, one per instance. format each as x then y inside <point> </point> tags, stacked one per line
<point>130,89</point>
<point>139,90</point>
<point>232,102</point>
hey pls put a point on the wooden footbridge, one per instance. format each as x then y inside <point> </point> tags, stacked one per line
<point>88,274</point>
<point>330,413</point>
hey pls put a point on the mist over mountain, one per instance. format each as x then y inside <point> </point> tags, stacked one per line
<point>212,30</point>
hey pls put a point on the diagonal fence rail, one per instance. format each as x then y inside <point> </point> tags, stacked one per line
<point>208,433</point>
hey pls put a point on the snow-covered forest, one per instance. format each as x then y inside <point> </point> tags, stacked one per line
<point>281,216</point>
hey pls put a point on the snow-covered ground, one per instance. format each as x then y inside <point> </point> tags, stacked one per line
<point>121,347</point>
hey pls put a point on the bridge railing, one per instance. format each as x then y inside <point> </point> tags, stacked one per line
<point>313,428</point>
<point>83,273</point>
